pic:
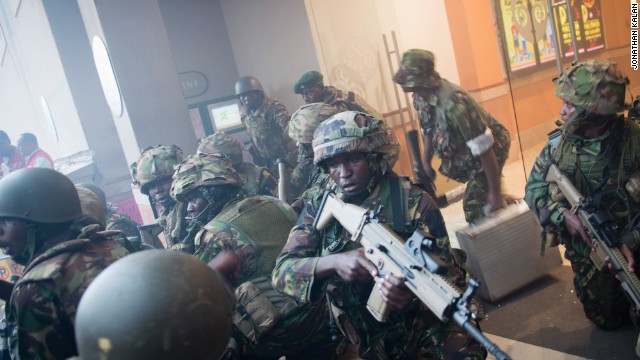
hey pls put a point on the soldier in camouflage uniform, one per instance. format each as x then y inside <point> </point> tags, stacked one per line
<point>114,220</point>
<point>188,315</point>
<point>311,87</point>
<point>358,152</point>
<point>256,180</point>
<point>598,150</point>
<point>152,173</point>
<point>472,144</point>
<point>267,121</point>
<point>267,324</point>
<point>303,123</point>
<point>41,229</point>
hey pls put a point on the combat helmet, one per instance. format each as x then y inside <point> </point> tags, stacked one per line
<point>92,207</point>
<point>171,306</point>
<point>39,195</point>
<point>417,69</point>
<point>306,119</point>
<point>248,83</point>
<point>354,131</point>
<point>203,170</point>
<point>221,143</point>
<point>597,86</point>
<point>154,164</point>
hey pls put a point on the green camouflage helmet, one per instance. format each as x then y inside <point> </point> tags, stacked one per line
<point>203,170</point>
<point>417,69</point>
<point>594,85</point>
<point>39,195</point>
<point>155,304</point>
<point>92,207</point>
<point>155,163</point>
<point>354,131</point>
<point>221,143</point>
<point>306,119</point>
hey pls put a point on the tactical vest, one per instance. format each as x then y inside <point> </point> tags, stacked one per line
<point>265,225</point>
<point>602,178</point>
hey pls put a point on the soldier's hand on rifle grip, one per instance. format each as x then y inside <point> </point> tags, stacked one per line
<point>575,227</point>
<point>353,266</point>
<point>394,291</point>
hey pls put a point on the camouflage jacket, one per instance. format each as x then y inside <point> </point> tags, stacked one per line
<point>268,127</point>
<point>294,273</point>
<point>257,180</point>
<point>255,226</point>
<point>44,301</point>
<point>122,222</point>
<point>448,115</point>
<point>585,163</point>
<point>348,101</point>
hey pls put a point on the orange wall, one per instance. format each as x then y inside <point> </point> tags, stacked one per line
<point>477,53</point>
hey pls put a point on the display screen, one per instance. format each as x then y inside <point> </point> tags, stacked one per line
<point>225,115</point>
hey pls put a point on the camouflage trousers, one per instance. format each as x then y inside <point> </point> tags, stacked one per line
<point>302,334</point>
<point>603,299</point>
<point>475,196</point>
<point>440,341</point>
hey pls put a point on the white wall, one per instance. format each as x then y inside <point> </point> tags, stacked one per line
<point>272,41</point>
<point>32,69</point>
<point>351,49</point>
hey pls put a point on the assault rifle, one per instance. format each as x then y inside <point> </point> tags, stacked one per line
<point>602,230</point>
<point>410,260</point>
<point>149,235</point>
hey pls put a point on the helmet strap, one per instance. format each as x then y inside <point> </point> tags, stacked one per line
<point>30,249</point>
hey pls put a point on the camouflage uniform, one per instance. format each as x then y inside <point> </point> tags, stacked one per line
<point>340,99</point>
<point>600,168</point>
<point>267,125</point>
<point>255,228</point>
<point>256,180</point>
<point>448,116</point>
<point>415,333</point>
<point>121,222</point>
<point>157,164</point>
<point>44,301</point>
<point>303,123</point>
<point>60,257</point>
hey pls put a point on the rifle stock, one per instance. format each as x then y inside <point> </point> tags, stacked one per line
<point>410,260</point>
<point>602,230</point>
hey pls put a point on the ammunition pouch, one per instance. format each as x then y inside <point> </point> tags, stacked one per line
<point>259,307</point>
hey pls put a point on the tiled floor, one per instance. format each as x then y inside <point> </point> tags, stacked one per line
<point>513,183</point>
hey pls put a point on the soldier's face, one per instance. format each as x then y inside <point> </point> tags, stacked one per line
<point>196,203</point>
<point>350,171</point>
<point>567,110</point>
<point>251,99</point>
<point>13,236</point>
<point>160,191</point>
<point>313,94</point>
